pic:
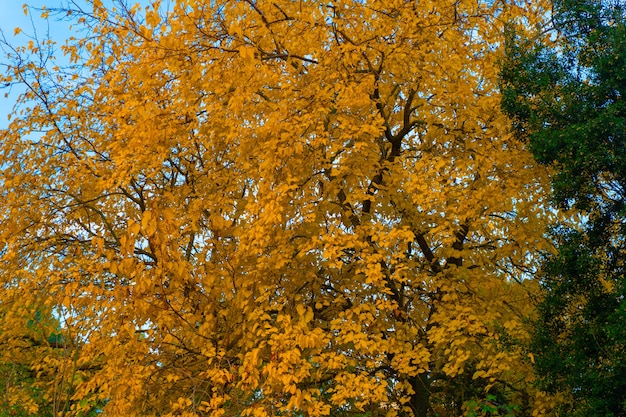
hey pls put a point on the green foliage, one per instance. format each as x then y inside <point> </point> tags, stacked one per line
<point>580,338</point>
<point>566,99</point>
<point>20,394</point>
<point>491,407</point>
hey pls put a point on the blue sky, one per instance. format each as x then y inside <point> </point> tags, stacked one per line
<point>12,16</point>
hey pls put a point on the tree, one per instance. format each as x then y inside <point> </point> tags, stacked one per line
<point>278,208</point>
<point>566,97</point>
<point>20,394</point>
<point>37,371</point>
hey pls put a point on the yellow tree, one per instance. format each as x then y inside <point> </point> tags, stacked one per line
<point>276,208</point>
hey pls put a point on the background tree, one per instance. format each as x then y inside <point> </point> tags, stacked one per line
<point>38,372</point>
<point>278,208</point>
<point>566,97</point>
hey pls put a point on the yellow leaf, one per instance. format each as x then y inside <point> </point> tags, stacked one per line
<point>293,209</point>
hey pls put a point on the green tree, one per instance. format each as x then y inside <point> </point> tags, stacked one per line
<point>27,335</point>
<point>566,96</point>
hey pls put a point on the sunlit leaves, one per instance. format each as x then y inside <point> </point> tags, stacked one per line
<point>262,208</point>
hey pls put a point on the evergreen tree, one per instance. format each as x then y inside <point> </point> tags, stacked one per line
<point>566,97</point>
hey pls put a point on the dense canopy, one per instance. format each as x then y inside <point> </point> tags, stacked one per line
<point>260,208</point>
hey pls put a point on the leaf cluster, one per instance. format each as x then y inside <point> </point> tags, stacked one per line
<point>265,208</point>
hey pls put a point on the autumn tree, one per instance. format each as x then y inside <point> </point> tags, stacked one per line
<point>38,374</point>
<point>566,98</point>
<point>277,208</point>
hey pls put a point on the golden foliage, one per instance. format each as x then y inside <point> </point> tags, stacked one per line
<point>270,207</point>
